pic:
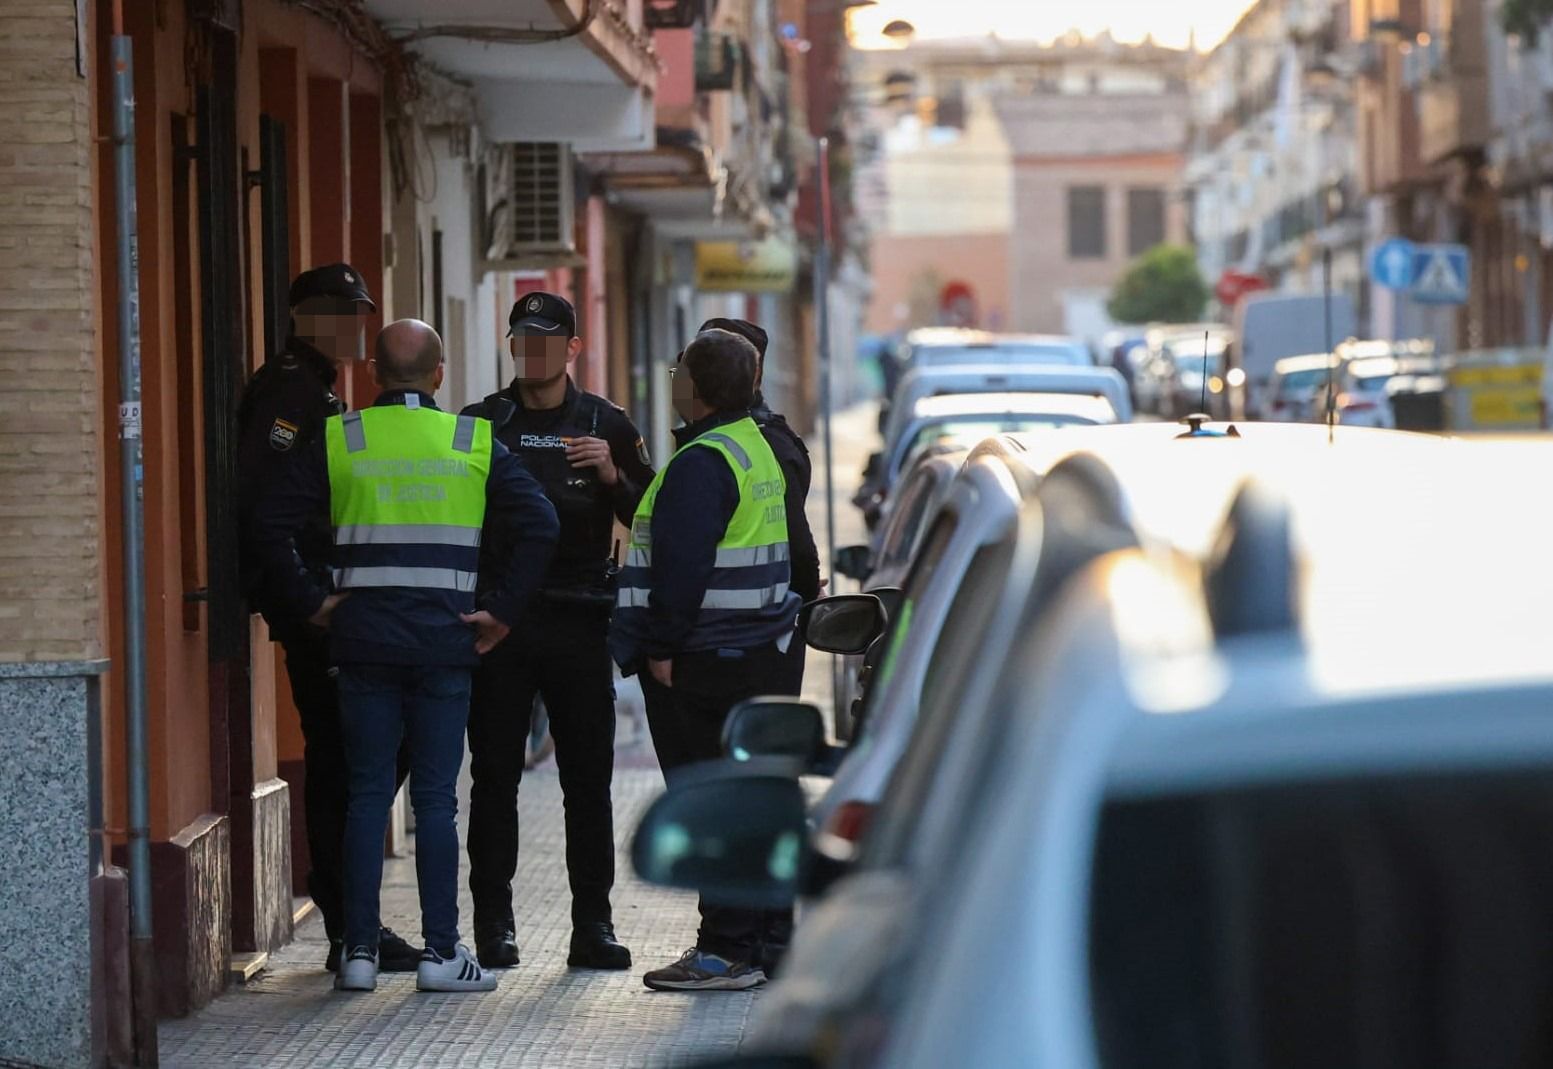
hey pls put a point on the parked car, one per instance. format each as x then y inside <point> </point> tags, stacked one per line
<point>1197,376</point>
<point>944,347</point>
<point>1298,383</point>
<point>959,421</point>
<point>1197,793</point>
<point>881,567</point>
<point>1156,382</point>
<point>993,378</point>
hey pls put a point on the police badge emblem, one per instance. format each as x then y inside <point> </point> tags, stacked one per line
<point>535,303</point>
<point>283,435</point>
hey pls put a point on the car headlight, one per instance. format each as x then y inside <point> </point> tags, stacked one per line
<point>1236,377</point>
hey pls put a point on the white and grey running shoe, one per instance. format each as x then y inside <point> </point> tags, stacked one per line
<point>461,972</point>
<point>358,972</point>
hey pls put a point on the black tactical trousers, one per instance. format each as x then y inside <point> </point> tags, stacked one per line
<point>558,652</point>
<point>325,791</point>
<point>689,717</point>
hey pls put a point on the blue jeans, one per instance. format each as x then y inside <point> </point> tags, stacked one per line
<point>428,707</point>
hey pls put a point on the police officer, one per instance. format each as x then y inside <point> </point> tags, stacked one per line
<point>408,489</point>
<point>793,455</point>
<point>593,466</point>
<point>705,606</point>
<point>282,411</point>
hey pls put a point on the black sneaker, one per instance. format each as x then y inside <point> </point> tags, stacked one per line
<point>394,954</point>
<point>594,946</point>
<point>497,948</point>
<point>696,970</point>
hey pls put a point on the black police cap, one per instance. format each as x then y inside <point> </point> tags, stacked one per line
<point>543,314</point>
<point>340,281</point>
<point>743,328</point>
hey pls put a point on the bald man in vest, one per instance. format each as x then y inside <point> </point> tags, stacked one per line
<point>705,611</point>
<point>408,489</point>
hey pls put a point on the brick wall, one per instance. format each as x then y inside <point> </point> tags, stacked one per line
<point>49,440</point>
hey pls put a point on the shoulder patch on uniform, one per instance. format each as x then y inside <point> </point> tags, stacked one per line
<point>641,453</point>
<point>283,435</point>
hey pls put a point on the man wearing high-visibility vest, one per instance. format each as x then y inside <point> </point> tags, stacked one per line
<point>704,609</point>
<point>408,489</point>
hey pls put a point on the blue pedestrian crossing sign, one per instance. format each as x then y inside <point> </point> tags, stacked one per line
<point>1391,265</point>
<point>1441,274</point>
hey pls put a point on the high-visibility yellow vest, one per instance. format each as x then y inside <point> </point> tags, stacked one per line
<point>407,496</point>
<point>747,599</point>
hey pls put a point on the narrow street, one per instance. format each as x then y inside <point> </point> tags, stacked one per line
<point>544,1015</point>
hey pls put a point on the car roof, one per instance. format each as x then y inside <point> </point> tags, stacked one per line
<point>1034,377</point>
<point>1081,406</point>
<point>1178,487</point>
<point>1063,340</point>
<point>928,336</point>
<point>1314,362</point>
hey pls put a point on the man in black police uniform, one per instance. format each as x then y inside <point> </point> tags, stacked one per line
<point>594,468</point>
<point>793,455</point>
<point>285,406</point>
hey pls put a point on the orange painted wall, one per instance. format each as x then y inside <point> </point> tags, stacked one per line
<point>281,51</point>
<point>899,263</point>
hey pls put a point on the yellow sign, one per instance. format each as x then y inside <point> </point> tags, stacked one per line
<point>1518,407</point>
<point>1522,375</point>
<point>769,266</point>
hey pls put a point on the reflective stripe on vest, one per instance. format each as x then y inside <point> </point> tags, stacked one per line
<point>751,572</point>
<point>407,497</point>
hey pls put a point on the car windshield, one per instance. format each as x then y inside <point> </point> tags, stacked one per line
<point>1188,360</point>
<point>972,429</point>
<point>1295,383</point>
<point>966,431</point>
<point>1371,383</point>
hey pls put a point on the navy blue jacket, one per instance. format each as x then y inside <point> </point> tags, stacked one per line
<point>797,469</point>
<point>283,409</point>
<point>392,625</point>
<point>695,503</point>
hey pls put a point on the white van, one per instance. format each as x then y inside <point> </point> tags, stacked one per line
<point>1271,326</point>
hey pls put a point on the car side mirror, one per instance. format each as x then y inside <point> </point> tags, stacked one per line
<point>773,727</point>
<point>854,562</point>
<point>734,832</point>
<point>780,727</point>
<point>843,623</point>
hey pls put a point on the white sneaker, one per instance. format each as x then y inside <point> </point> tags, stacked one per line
<point>461,972</point>
<point>358,972</point>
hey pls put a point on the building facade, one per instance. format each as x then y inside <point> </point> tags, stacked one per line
<point>1098,144</point>
<point>1064,159</point>
<point>425,143</point>
<point>1274,161</point>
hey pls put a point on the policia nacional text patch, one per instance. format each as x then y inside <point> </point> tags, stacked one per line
<point>283,435</point>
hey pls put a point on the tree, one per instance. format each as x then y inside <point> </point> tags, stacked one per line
<point>1162,286</point>
<point>1526,17</point>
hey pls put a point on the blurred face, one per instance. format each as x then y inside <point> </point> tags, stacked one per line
<point>335,328</point>
<point>683,393</point>
<point>539,358</point>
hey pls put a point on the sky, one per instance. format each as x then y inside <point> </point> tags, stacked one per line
<point>1170,21</point>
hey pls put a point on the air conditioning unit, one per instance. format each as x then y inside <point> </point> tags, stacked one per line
<point>532,195</point>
